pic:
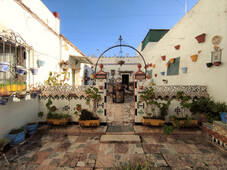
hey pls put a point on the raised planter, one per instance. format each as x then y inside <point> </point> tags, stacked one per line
<point>209,65</point>
<point>194,57</point>
<point>31,128</point>
<point>57,121</point>
<point>223,116</point>
<point>152,122</point>
<point>183,123</point>
<point>94,123</point>
<point>4,66</point>
<point>177,47</point>
<point>200,38</point>
<point>184,69</point>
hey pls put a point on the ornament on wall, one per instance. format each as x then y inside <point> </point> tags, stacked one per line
<point>216,40</point>
<point>201,38</point>
<point>216,57</point>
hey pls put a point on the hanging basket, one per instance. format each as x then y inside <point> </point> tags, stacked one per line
<point>172,60</point>
<point>20,70</point>
<point>200,38</point>
<point>184,69</point>
<point>163,58</point>
<point>177,47</point>
<point>4,66</point>
<point>34,71</point>
<point>121,62</point>
<point>194,58</point>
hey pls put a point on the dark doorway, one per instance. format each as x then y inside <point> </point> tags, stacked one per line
<point>125,80</point>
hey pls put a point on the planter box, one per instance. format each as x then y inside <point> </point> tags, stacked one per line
<point>89,123</point>
<point>152,122</point>
<point>193,123</point>
<point>57,121</point>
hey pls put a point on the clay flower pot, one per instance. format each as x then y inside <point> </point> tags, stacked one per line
<point>92,76</point>
<point>148,76</point>
<point>200,38</point>
<point>172,60</point>
<point>167,65</point>
<point>163,58</point>
<point>217,63</point>
<point>177,47</point>
<point>194,58</point>
<point>209,65</point>
<point>153,65</point>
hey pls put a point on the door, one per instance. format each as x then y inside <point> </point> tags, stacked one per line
<point>125,80</point>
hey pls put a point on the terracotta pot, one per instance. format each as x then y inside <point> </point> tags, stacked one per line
<point>100,87</point>
<point>200,38</point>
<point>92,76</point>
<point>153,65</point>
<point>172,60</point>
<point>163,58</point>
<point>217,63</point>
<point>155,75</point>
<point>141,87</point>
<point>148,76</point>
<point>194,58</point>
<point>167,65</point>
<point>177,47</point>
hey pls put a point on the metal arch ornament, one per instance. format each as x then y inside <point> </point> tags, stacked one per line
<point>121,45</point>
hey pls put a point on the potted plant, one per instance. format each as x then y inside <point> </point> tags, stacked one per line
<point>55,118</point>
<point>16,136</point>
<point>4,66</point>
<point>31,127</point>
<point>222,109</point>
<point>78,107</point>
<point>152,119</point>
<point>168,130</point>
<point>4,96</point>
<point>86,118</point>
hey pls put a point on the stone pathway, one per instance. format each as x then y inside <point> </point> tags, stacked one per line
<point>120,114</point>
<point>86,152</point>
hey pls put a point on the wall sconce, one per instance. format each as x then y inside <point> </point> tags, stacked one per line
<point>165,81</point>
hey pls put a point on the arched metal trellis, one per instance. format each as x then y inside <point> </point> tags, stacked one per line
<point>121,45</point>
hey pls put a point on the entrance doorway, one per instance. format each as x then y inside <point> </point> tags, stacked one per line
<point>125,80</point>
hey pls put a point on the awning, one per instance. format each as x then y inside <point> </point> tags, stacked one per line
<point>82,59</point>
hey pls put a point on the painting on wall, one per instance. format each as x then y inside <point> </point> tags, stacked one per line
<point>173,68</point>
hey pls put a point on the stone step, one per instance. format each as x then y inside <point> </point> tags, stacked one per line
<point>120,133</point>
<point>120,139</point>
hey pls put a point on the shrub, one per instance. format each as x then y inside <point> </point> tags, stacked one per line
<point>86,115</point>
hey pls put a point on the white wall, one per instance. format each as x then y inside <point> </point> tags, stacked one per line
<point>209,17</point>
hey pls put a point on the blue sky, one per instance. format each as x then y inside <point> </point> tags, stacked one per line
<point>97,24</point>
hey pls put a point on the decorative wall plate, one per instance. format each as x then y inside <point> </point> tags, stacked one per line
<point>216,40</point>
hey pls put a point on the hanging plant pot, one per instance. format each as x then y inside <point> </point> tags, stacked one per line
<point>218,63</point>
<point>4,99</point>
<point>100,87</point>
<point>20,70</point>
<point>194,58</point>
<point>153,65</point>
<point>4,66</point>
<point>167,65</point>
<point>34,71</point>
<point>163,73</point>
<point>209,65</point>
<point>172,60</point>
<point>141,87</point>
<point>200,38</point>
<point>177,47</point>
<point>184,69</point>
<point>163,58</point>
<point>40,63</point>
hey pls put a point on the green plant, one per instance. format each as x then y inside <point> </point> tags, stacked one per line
<point>164,108</point>
<point>176,122</point>
<point>149,98</point>
<point>16,131</point>
<point>78,105</point>
<point>4,141</point>
<point>40,114</point>
<point>57,116</point>
<point>168,130</point>
<point>87,115</point>
<point>220,107</point>
<point>188,120</point>
<point>92,95</point>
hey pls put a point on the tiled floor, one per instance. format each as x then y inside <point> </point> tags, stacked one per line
<point>83,152</point>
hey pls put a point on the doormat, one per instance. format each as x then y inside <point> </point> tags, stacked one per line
<point>120,129</point>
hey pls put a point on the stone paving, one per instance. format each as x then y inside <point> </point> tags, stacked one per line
<point>86,152</point>
<point>120,114</point>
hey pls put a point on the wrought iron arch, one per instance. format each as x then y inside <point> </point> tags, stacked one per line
<point>121,45</point>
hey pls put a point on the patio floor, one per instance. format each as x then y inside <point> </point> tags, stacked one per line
<point>86,152</point>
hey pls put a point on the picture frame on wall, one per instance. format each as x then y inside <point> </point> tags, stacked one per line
<point>216,56</point>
